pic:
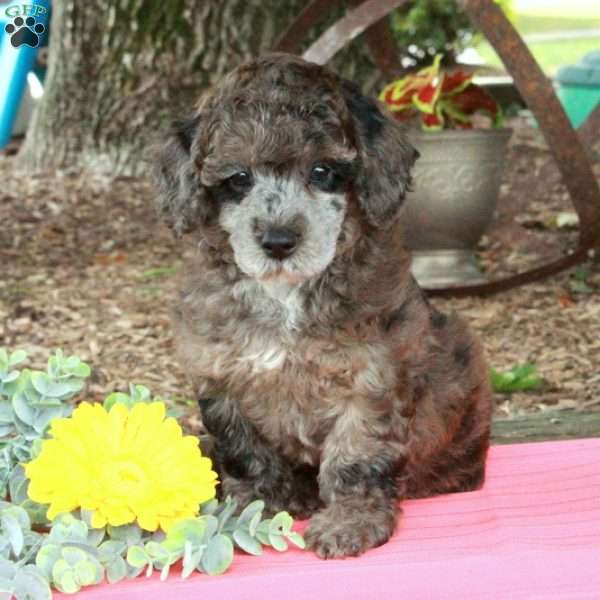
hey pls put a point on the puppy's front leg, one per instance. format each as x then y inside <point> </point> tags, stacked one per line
<point>360,481</point>
<point>250,469</point>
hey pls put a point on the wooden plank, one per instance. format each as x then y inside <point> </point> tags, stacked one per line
<point>551,425</point>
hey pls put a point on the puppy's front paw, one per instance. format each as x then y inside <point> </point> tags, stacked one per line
<point>336,532</point>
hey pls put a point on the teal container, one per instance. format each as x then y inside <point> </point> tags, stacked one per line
<point>579,87</point>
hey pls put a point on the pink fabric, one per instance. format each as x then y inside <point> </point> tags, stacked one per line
<point>532,532</point>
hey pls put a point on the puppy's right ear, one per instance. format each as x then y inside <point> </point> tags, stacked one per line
<point>182,201</point>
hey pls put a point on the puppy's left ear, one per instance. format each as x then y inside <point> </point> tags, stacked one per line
<point>385,155</point>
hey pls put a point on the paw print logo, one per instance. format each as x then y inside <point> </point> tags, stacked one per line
<point>25,31</point>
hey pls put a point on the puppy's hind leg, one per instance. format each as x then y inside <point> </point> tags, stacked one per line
<point>250,469</point>
<point>460,467</point>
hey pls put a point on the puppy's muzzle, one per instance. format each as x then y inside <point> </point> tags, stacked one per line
<point>279,242</point>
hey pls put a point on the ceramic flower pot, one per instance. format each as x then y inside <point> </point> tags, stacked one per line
<point>456,184</point>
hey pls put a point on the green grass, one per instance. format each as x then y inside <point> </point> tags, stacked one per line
<point>557,8</point>
<point>159,273</point>
<point>542,24</point>
<point>552,54</point>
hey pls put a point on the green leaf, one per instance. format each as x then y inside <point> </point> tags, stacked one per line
<point>12,529</point>
<point>16,357</point>
<point>229,508</point>
<point>159,555</point>
<point>519,378</point>
<point>187,530</point>
<point>116,398</point>
<point>22,409</point>
<point>8,569</point>
<point>67,583</point>
<point>40,381</point>
<point>210,507</point>
<point>66,527</point>
<point>191,559</point>
<point>110,549</point>
<point>19,513</point>
<point>254,523</point>
<point>133,572</point>
<point>116,570</point>
<point>64,577</point>
<point>131,534</point>
<point>36,448</point>
<point>218,555</point>
<point>77,368</point>
<point>246,542</point>
<point>37,512</point>
<point>212,525</point>
<point>30,584</point>
<point>278,542</point>
<point>281,523</point>
<point>73,555</point>
<point>95,536</point>
<point>43,417</point>
<point>47,557</point>
<point>139,393</point>
<point>18,485</point>
<point>87,572</point>
<point>262,532</point>
<point>137,557</point>
<point>10,376</point>
<point>296,539</point>
<point>63,389</point>
<point>253,509</point>
<point>6,430</point>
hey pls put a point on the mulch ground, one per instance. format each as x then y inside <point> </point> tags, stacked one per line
<point>87,267</point>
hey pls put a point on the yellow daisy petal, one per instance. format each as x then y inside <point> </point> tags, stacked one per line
<point>124,465</point>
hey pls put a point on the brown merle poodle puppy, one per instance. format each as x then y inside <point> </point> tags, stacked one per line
<point>330,385</point>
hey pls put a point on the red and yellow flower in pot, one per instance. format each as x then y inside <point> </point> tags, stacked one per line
<point>457,127</point>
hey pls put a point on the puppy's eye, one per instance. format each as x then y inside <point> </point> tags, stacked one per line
<point>334,177</point>
<point>240,182</point>
<point>321,175</point>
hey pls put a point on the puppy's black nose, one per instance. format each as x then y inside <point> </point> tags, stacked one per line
<point>279,242</point>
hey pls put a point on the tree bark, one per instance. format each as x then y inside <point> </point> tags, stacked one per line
<point>119,70</point>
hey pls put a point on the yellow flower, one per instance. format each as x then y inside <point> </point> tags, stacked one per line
<point>124,465</point>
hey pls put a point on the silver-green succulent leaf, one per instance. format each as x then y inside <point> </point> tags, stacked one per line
<point>73,554</point>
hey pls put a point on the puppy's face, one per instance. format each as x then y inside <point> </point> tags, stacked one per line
<point>280,186</point>
<point>274,158</point>
<point>285,225</point>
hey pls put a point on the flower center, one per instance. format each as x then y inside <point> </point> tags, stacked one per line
<point>126,478</point>
<point>129,473</point>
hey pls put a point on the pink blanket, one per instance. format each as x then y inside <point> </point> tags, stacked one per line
<point>532,532</point>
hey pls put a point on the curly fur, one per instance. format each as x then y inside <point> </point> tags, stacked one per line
<point>329,383</point>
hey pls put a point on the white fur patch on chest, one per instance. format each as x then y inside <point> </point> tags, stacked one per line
<point>275,302</point>
<point>289,301</point>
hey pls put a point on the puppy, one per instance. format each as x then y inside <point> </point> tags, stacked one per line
<point>330,385</point>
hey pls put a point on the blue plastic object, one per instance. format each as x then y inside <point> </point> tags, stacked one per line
<point>579,87</point>
<point>16,63</point>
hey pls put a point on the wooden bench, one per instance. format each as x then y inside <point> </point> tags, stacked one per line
<point>532,532</point>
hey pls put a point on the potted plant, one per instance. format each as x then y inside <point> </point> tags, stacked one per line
<point>457,128</point>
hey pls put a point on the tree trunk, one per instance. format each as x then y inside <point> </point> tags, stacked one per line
<point>119,70</point>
